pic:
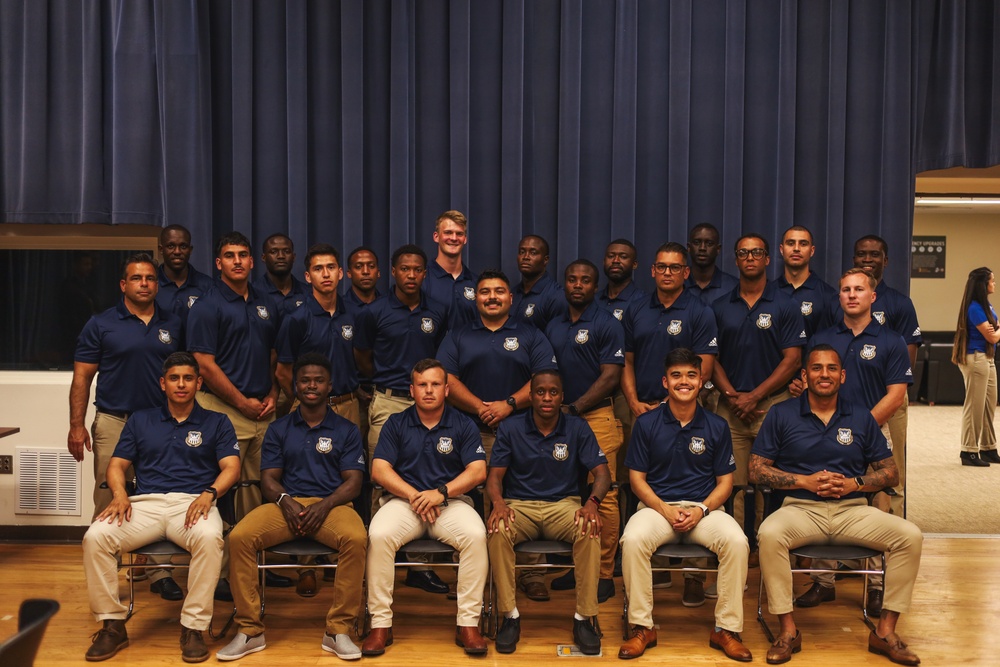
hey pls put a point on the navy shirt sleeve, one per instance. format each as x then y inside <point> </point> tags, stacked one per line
<point>472,442</point>
<point>448,354</point>
<point>353,454</point>
<point>389,440</point>
<point>202,327</point>
<point>724,462</point>
<point>88,343</point>
<point>500,454</point>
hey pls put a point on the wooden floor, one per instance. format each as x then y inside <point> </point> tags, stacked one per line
<point>955,608</point>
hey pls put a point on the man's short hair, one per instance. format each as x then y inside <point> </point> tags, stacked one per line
<point>877,239</point>
<point>492,274</point>
<point>582,262</point>
<point>311,359</point>
<point>180,359</point>
<point>707,226</point>
<point>408,249</point>
<point>856,271</point>
<point>175,228</point>
<point>752,235</point>
<point>425,365</point>
<point>824,347</point>
<point>232,238</point>
<point>681,356</point>
<point>545,244</point>
<point>624,242</point>
<point>361,248</point>
<point>320,249</point>
<point>137,258</point>
<point>671,246</point>
<point>455,216</point>
<point>797,228</point>
<point>546,372</point>
<point>276,235</point>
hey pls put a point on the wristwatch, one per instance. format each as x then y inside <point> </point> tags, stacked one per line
<point>443,490</point>
<point>572,410</point>
<point>704,508</point>
<point>512,402</point>
<point>211,489</point>
<point>278,501</point>
<point>860,481</point>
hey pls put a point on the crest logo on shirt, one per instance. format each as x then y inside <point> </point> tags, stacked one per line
<point>470,293</point>
<point>868,352</point>
<point>582,336</point>
<point>511,344</point>
<point>324,445</point>
<point>426,324</point>
<point>561,451</point>
<point>618,312</point>
<point>194,439</point>
<point>262,313</point>
<point>697,446</point>
<point>165,337</point>
<point>675,327</point>
<point>764,321</point>
<point>529,310</point>
<point>347,332</point>
<point>844,436</point>
<point>445,446</point>
<point>299,302</point>
<point>879,315</point>
<point>807,307</point>
<point>191,300</point>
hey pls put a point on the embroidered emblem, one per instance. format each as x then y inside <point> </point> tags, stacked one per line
<point>298,302</point>
<point>807,307</point>
<point>262,312</point>
<point>470,293</point>
<point>191,300</point>
<point>529,310</point>
<point>324,445</point>
<point>868,352</point>
<point>347,332</point>
<point>618,312</point>
<point>560,452</point>
<point>697,446</point>
<point>426,324</point>
<point>194,439</point>
<point>165,337</point>
<point>879,315</point>
<point>675,327</point>
<point>445,446</point>
<point>764,321</point>
<point>510,344</point>
<point>844,436</point>
<point>582,336</point>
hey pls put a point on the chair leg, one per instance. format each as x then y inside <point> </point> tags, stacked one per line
<point>760,613</point>
<point>624,614</point>
<point>131,586</point>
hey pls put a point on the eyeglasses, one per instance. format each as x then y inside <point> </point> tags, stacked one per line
<point>756,253</point>
<point>672,268</point>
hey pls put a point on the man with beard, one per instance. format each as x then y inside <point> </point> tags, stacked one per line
<point>817,300</point>
<point>537,296</point>
<point>180,283</point>
<point>707,281</point>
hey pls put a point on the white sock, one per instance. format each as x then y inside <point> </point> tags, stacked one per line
<point>512,613</point>
<point>579,618</point>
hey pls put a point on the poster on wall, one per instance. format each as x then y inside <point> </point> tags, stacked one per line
<point>927,254</point>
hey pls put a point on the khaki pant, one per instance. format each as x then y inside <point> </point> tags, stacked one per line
<point>980,374</point>
<point>624,416</point>
<point>897,439</point>
<point>545,520</point>
<point>155,517</point>
<point>381,408</point>
<point>719,532</point>
<point>608,431</point>
<point>800,522</point>
<point>105,433</point>
<point>458,526</point>
<point>265,527</point>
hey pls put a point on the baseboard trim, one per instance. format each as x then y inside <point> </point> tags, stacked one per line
<point>56,534</point>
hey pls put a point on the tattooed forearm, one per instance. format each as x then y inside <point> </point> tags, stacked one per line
<point>763,472</point>
<point>884,474</point>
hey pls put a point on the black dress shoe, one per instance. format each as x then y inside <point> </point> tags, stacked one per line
<point>973,459</point>
<point>223,592</point>
<point>989,455</point>
<point>874,606</point>
<point>566,582</point>
<point>275,580</point>
<point>815,595</point>
<point>509,635</point>
<point>426,580</point>
<point>167,589</point>
<point>605,589</point>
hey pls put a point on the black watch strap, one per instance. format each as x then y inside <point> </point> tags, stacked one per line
<point>443,490</point>
<point>211,489</point>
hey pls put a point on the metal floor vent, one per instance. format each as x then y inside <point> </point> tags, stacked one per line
<point>48,481</point>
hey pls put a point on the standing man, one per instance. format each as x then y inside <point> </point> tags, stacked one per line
<point>539,459</point>
<point>180,284</point>
<point>537,296</point>
<point>185,458</point>
<point>817,300</point>
<point>362,269</point>
<point>817,448</point>
<point>707,281</point>
<point>428,457</point>
<point>681,469</point>
<point>311,469</point>
<point>449,281</point>
<point>277,282</point>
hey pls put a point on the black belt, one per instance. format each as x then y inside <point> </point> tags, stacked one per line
<point>603,403</point>
<point>117,415</point>
<point>393,393</point>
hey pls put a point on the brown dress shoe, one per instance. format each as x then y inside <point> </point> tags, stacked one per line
<point>816,594</point>
<point>731,644</point>
<point>307,584</point>
<point>783,648</point>
<point>469,638</point>
<point>642,638</point>
<point>535,590</point>
<point>376,641</point>
<point>893,648</point>
<point>107,641</point>
<point>193,647</point>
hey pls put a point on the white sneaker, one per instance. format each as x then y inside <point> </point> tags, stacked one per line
<point>341,646</point>
<point>241,646</point>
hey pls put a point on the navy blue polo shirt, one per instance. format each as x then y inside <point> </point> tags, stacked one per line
<point>800,443</point>
<point>179,300</point>
<point>818,302</point>
<point>582,346</point>
<point>874,359</point>
<point>680,462</point>
<point>172,457</point>
<point>751,340</point>
<point>354,303</point>
<point>276,300</point>
<point>429,458</point>
<point>129,355</point>
<point>312,459</point>
<point>652,331</point>
<point>618,305</point>
<point>495,364</point>
<point>721,283</point>
<point>399,337</point>
<point>544,467</point>
<point>895,310</point>
<point>239,333</point>
<point>539,305</point>
<point>311,329</point>
<point>458,293</point>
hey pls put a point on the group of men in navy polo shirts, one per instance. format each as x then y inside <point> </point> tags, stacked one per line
<point>507,355</point>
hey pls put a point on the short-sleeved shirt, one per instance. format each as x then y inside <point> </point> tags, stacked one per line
<point>179,300</point>
<point>873,360</point>
<point>399,337</point>
<point>429,458</point>
<point>618,305</point>
<point>895,310</point>
<point>539,305</point>
<point>310,328</point>
<point>354,303</point>
<point>544,467</point>
<point>129,355</point>
<point>752,340</point>
<point>721,283</point>
<point>818,301</point>
<point>278,302</point>
<point>495,364</point>
<point>800,443</point>
<point>176,457</point>
<point>239,333</point>
<point>976,316</point>
<point>680,462</point>
<point>312,459</point>
<point>652,331</point>
<point>581,347</point>
<point>457,293</point>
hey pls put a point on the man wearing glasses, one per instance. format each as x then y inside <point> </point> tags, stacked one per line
<point>707,281</point>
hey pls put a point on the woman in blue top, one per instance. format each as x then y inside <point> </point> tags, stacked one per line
<point>976,338</point>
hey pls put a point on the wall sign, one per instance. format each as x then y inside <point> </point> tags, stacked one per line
<point>927,255</point>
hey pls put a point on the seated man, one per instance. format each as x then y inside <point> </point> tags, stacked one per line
<point>184,457</point>
<point>312,463</point>
<point>427,458</point>
<point>539,459</point>
<point>681,464</point>
<point>817,447</point>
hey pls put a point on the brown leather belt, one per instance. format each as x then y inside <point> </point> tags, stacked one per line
<point>337,400</point>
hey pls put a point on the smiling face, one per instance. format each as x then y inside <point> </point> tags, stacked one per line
<point>823,373</point>
<point>870,256</point>
<point>180,384</point>
<point>682,382</point>
<point>312,385</point>
<point>493,299</point>
<point>175,248</point>
<point>451,237</point>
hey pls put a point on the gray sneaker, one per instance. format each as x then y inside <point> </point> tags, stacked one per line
<point>341,646</point>
<point>241,646</point>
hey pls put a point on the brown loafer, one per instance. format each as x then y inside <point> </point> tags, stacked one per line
<point>469,638</point>
<point>535,590</point>
<point>376,641</point>
<point>816,594</point>
<point>893,648</point>
<point>307,584</point>
<point>783,648</point>
<point>108,641</point>
<point>731,644</point>
<point>193,647</point>
<point>642,638</point>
